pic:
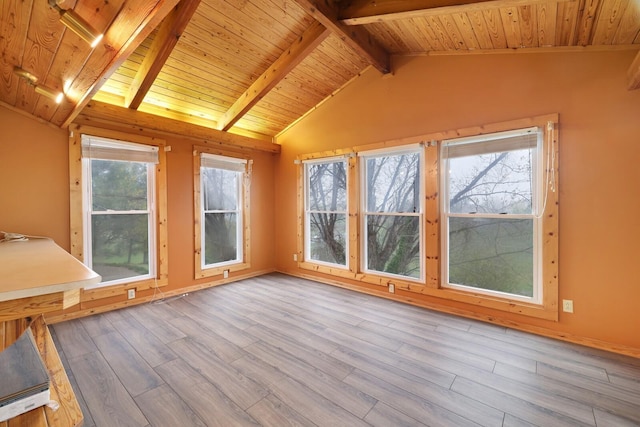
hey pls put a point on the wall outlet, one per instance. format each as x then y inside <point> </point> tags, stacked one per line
<point>392,288</point>
<point>225,274</point>
<point>131,293</point>
<point>567,305</point>
<point>295,257</point>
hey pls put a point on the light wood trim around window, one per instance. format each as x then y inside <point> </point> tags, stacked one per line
<point>77,217</point>
<point>548,309</point>
<point>353,195</point>
<point>432,216</point>
<point>197,226</point>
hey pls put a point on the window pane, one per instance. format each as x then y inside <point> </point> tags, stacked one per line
<point>393,244</point>
<point>493,254</point>
<point>492,183</point>
<point>220,189</point>
<point>220,239</point>
<point>393,183</point>
<point>120,245</point>
<point>327,186</point>
<point>327,237</point>
<point>118,186</point>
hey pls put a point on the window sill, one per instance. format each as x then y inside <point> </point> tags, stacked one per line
<point>217,271</point>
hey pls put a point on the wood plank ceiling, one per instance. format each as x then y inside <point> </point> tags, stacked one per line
<point>254,67</point>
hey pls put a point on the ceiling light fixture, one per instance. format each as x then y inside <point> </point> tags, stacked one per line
<point>75,23</point>
<point>32,80</point>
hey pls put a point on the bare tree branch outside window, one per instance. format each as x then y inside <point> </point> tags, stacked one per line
<point>392,217</point>
<point>326,211</point>
<point>491,221</point>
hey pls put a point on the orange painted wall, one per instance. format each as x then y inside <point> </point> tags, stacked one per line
<point>34,197</point>
<point>599,136</point>
<point>34,178</point>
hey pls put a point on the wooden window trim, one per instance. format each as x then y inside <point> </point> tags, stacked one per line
<point>431,286</point>
<point>77,217</point>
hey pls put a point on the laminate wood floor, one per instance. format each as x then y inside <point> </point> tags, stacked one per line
<point>281,351</point>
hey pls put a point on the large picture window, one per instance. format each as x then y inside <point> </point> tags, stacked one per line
<point>491,205</point>
<point>326,235</point>
<point>392,212</point>
<point>120,225</point>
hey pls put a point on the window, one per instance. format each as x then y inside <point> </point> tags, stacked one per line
<point>221,194</point>
<point>326,211</point>
<point>468,215</point>
<point>119,209</point>
<point>492,208</point>
<point>392,212</point>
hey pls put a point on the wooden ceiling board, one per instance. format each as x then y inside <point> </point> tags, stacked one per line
<point>432,40</point>
<point>480,29</point>
<point>196,84</point>
<point>48,31</point>
<point>37,61</point>
<point>201,96</point>
<point>629,29</point>
<point>465,26</point>
<point>511,26</point>
<point>586,20</point>
<point>193,61</point>
<point>547,18</point>
<point>14,20</point>
<point>495,28</point>
<point>219,45</point>
<point>284,106</point>
<point>455,35</point>
<point>248,30</point>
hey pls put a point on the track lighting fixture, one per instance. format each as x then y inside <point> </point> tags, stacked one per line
<point>42,90</point>
<point>75,23</point>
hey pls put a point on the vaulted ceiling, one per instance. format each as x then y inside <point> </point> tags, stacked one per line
<point>254,67</point>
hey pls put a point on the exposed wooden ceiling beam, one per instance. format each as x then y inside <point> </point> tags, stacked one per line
<point>357,38</point>
<point>634,74</point>
<point>94,74</point>
<point>360,12</point>
<point>166,38</point>
<point>307,42</point>
<point>100,113</point>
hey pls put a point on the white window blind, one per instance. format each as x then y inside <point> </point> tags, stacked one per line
<point>108,149</point>
<point>493,143</point>
<point>221,162</point>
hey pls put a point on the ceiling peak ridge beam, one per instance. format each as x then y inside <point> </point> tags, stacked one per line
<point>357,38</point>
<point>363,12</point>
<point>290,58</point>
<point>166,39</point>
<point>634,74</point>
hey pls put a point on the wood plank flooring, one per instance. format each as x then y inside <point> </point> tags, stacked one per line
<point>281,351</point>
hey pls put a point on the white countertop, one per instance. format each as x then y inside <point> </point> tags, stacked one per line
<point>38,267</point>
